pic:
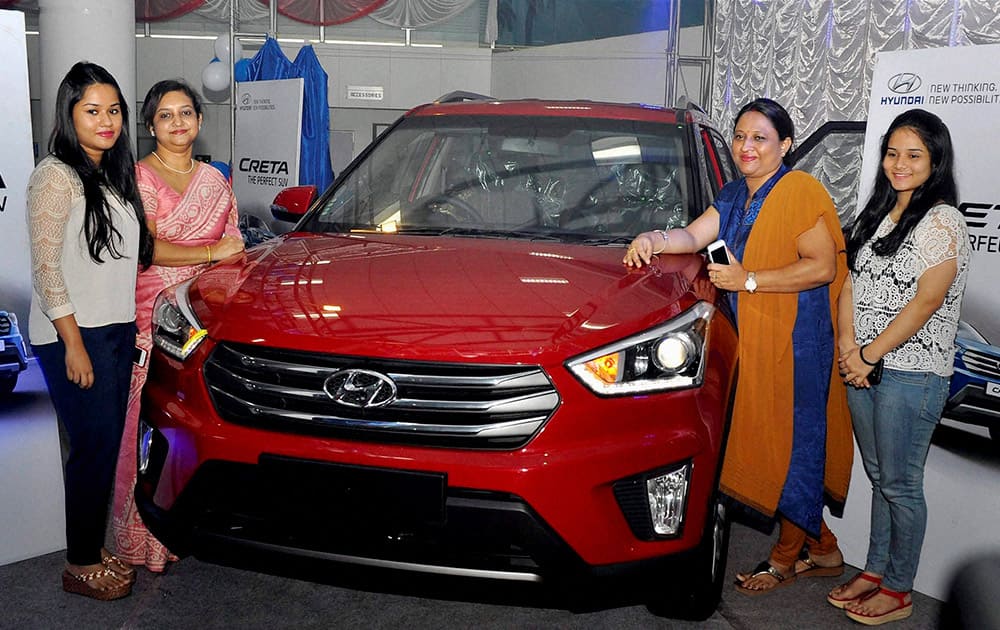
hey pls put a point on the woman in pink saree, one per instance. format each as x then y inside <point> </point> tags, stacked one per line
<point>191,211</point>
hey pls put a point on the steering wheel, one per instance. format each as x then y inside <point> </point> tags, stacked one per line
<point>435,202</point>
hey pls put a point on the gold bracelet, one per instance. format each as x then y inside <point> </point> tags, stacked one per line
<point>208,250</point>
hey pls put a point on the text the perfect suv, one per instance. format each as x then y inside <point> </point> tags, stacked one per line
<point>446,368</point>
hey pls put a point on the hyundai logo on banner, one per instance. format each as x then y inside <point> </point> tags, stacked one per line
<point>904,83</point>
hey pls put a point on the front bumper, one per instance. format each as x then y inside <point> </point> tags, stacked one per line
<point>229,508</point>
<point>972,405</point>
<point>12,357</point>
<point>551,507</point>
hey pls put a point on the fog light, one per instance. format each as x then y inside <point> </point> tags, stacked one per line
<point>145,445</point>
<point>667,494</point>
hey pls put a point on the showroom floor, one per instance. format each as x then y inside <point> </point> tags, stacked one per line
<point>195,594</point>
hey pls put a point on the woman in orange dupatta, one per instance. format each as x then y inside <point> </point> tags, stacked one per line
<point>790,444</point>
<point>191,211</point>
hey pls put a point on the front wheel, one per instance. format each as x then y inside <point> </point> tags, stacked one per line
<point>694,588</point>
<point>7,384</point>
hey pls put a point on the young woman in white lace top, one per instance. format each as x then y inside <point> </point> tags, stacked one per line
<point>88,236</point>
<point>908,252</point>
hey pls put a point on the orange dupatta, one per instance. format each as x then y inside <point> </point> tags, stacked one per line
<point>760,438</point>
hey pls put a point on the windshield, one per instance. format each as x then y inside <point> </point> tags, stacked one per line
<point>516,176</point>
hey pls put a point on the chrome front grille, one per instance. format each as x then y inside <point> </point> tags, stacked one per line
<point>4,324</point>
<point>436,404</point>
<point>981,363</point>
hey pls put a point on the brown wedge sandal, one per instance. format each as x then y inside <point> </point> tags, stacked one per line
<point>80,585</point>
<point>119,566</point>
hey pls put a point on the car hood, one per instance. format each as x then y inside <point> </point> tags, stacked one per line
<point>440,297</point>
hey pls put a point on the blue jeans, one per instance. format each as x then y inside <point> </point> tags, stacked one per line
<point>893,424</point>
<point>94,420</point>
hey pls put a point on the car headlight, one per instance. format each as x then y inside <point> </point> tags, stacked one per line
<point>176,329</point>
<point>968,331</point>
<point>670,356</point>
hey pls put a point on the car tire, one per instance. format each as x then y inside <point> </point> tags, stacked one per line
<point>7,384</point>
<point>693,590</point>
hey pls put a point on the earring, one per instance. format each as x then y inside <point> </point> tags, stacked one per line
<point>152,133</point>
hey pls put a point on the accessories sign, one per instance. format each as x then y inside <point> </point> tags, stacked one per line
<point>365,92</point>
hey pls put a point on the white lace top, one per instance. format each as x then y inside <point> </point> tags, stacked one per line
<point>884,285</point>
<point>65,280</point>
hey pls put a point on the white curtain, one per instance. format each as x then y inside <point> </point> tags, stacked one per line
<point>246,11</point>
<point>816,58</point>
<point>419,13</point>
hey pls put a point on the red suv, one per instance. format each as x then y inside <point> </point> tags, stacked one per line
<point>446,368</point>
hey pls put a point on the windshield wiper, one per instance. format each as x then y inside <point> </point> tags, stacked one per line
<point>605,241</point>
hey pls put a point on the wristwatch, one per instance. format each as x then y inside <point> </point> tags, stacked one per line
<point>751,283</point>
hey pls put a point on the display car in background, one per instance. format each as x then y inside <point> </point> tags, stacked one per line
<point>975,386</point>
<point>13,353</point>
<point>446,368</point>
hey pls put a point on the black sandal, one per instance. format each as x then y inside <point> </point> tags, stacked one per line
<point>815,570</point>
<point>764,568</point>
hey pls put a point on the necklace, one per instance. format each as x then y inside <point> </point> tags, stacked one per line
<point>170,168</point>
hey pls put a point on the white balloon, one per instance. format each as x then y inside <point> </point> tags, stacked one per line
<point>215,76</point>
<point>222,49</point>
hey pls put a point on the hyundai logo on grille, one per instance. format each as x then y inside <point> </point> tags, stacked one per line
<point>904,83</point>
<point>360,388</point>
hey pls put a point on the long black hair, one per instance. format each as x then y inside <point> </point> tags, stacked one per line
<point>157,92</point>
<point>116,170</point>
<point>779,118</point>
<point>939,187</point>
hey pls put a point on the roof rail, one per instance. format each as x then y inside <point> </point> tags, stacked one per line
<point>460,96</point>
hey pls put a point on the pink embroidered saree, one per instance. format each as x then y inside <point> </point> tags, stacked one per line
<point>200,216</point>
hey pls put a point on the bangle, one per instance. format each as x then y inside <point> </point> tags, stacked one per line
<point>208,251</point>
<point>665,237</point>
<point>861,353</point>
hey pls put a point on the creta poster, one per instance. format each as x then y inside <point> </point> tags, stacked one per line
<point>267,143</point>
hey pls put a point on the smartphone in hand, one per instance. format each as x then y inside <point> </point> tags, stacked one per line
<point>717,252</point>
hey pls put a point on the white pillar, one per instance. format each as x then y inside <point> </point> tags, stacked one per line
<point>100,31</point>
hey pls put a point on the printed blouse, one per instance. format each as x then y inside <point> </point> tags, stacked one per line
<point>883,285</point>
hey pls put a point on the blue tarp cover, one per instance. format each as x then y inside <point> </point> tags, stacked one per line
<point>271,63</point>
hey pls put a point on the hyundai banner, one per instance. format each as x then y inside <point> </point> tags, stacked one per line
<point>962,86</point>
<point>32,521</point>
<point>16,164</point>
<point>267,143</point>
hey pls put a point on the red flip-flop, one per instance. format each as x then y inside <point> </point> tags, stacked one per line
<point>840,602</point>
<point>902,610</point>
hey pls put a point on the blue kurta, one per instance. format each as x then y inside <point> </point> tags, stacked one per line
<point>812,345</point>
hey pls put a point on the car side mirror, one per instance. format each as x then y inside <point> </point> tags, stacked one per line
<point>291,203</point>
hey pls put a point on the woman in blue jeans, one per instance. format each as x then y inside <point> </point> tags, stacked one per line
<point>88,235</point>
<point>908,253</point>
